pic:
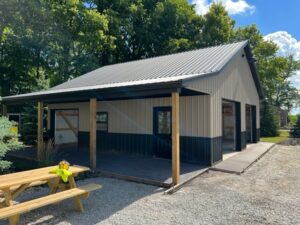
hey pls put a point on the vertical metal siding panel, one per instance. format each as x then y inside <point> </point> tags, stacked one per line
<point>235,83</point>
<point>194,111</point>
<point>201,128</point>
<point>188,119</point>
<point>200,111</point>
<point>243,116</point>
<point>135,116</point>
<point>131,116</point>
<point>182,115</point>
<point>194,120</point>
<point>84,116</point>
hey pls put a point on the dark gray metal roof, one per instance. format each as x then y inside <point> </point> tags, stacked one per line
<point>158,69</point>
<point>168,68</point>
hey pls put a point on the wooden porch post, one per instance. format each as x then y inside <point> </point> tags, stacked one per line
<point>40,139</point>
<point>175,139</point>
<point>93,130</point>
<point>4,110</point>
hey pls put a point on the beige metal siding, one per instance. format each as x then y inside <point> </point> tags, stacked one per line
<point>195,116</point>
<point>83,109</point>
<point>131,116</point>
<point>199,115</point>
<point>136,116</point>
<point>235,83</point>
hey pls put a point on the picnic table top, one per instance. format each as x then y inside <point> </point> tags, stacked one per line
<point>29,176</point>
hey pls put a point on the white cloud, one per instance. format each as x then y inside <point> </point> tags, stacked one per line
<point>201,6</point>
<point>232,6</point>
<point>286,42</point>
<point>288,45</point>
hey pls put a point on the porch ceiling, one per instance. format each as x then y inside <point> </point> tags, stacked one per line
<point>131,92</point>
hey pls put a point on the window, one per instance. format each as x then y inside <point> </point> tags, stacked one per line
<point>164,122</point>
<point>102,121</point>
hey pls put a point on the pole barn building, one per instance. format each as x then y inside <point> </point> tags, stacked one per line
<point>190,107</point>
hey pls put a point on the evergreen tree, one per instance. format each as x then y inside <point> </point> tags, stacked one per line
<point>8,141</point>
<point>269,121</point>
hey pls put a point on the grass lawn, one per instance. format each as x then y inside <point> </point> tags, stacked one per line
<point>283,135</point>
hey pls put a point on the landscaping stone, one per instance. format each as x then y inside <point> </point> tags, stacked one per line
<point>267,193</point>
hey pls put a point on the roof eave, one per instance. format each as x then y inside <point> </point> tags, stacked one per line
<point>126,92</point>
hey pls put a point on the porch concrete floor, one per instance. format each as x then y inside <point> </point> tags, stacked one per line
<point>150,168</point>
<point>238,163</point>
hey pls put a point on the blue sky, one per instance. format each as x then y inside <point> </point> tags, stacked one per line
<point>278,20</point>
<point>269,15</point>
<point>272,16</point>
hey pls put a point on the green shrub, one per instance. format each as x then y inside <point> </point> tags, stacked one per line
<point>292,120</point>
<point>295,131</point>
<point>8,141</point>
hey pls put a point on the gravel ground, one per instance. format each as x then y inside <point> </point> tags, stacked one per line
<point>267,193</point>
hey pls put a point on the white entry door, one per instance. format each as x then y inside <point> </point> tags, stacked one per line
<point>66,126</point>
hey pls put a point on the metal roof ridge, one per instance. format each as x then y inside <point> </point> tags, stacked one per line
<point>171,54</point>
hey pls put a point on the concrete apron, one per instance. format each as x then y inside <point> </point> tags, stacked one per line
<point>240,162</point>
<point>236,164</point>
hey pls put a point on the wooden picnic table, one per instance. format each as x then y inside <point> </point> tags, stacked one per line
<point>14,184</point>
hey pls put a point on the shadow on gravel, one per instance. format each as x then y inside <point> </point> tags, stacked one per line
<point>111,198</point>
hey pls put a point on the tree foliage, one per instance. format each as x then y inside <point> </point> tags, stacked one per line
<point>218,27</point>
<point>146,28</point>
<point>275,71</point>
<point>8,141</point>
<point>46,42</point>
<point>292,119</point>
<point>269,124</point>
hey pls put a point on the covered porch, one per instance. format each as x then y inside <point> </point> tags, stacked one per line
<point>149,170</point>
<point>146,169</point>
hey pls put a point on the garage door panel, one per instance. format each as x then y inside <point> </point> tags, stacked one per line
<point>66,126</point>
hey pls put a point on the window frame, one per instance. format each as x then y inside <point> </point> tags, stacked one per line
<point>156,109</point>
<point>101,122</point>
<point>163,125</point>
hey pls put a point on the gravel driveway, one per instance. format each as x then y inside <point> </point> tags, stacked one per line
<point>268,193</point>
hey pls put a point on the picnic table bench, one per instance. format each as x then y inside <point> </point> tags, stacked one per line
<point>14,184</point>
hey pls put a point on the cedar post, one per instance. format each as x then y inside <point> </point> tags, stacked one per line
<point>40,139</point>
<point>93,130</point>
<point>175,139</point>
<point>4,110</point>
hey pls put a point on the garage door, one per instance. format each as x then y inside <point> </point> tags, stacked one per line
<point>66,126</point>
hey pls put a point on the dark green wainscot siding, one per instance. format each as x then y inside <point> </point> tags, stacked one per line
<point>199,150</point>
<point>243,140</point>
<point>216,150</point>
